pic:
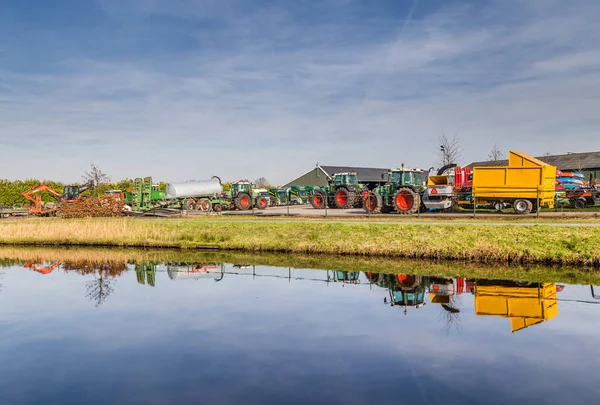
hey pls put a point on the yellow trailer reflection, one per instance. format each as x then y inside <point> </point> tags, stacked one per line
<point>523,304</point>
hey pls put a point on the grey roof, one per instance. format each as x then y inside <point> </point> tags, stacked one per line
<point>365,174</point>
<point>569,161</point>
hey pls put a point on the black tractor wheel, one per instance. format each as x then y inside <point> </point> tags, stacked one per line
<point>522,207</point>
<point>406,201</point>
<point>318,200</point>
<point>262,203</point>
<point>343,198</point>
<point>243,202</point>
<point>579,204</point>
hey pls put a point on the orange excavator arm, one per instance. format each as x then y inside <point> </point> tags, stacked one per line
<point>41,269</point>
<point>42,187</point>
<point>36,200</point>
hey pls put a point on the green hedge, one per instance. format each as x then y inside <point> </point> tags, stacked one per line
<point>10,191</point>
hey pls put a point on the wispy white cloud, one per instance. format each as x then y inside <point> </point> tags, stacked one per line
<point>246,92</point>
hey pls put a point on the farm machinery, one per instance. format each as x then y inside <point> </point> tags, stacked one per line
<point>402,193</point>
<point>583,197</point>
<point>526,183</point>
<point>294,195</point>
<point>243,196</point>
<point>343,191</point>
<point>71,194</point>
<point>204,195</point>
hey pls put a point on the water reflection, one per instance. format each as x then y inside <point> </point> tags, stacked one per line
<point>208,331</point>
<point>524,304</point>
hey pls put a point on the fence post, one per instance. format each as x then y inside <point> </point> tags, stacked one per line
<point>288,202</point>
<point>474,205</point>
<point>326,203</point>
<point>537,203</point>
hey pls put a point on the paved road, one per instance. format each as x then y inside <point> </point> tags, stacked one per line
<point>455,223</point>
<point>308,211</point>
<point>586,219</point>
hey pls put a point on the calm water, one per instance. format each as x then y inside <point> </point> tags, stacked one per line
<point>225,334</point>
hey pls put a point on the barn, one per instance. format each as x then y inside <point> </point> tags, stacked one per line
<point>321,174</point>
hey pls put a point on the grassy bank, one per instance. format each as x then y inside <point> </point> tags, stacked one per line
<point>485,244</point>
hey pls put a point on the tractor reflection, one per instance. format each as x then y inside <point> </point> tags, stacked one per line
<point>407,291</point>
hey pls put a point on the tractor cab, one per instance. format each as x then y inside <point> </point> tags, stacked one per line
<point>72,193</point>
<point>351,277</point>
<point>408,299</point>
<point>341,179</point>
<point>408,291</point>
<point>407,177</point>
<point>241,187</point>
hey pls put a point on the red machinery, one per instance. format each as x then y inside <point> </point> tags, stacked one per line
<point>42,269</point>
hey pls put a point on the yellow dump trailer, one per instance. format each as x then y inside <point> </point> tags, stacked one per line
<point>523,305</point>
<point>527,183</point>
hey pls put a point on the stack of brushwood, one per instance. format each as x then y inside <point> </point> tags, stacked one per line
<point>93,207</point>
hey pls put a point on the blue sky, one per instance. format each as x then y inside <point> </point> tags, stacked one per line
<point>189,89</point>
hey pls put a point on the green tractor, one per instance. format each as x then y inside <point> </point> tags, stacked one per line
<point>401,194</point>
<point>294,195</point>
<point>343,191</point>
<point>243,196</point>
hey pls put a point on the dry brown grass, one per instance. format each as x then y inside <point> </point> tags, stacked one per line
<point>506,244</point>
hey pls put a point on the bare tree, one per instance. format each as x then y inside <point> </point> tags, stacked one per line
<point>450,151</point>
<point>495,154</point>
<point>95,176</point>
<point>100,288</point>
<point>261,182</point>
<point>450,315</point>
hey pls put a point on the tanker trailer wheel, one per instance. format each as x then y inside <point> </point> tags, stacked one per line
<point>205,204</point>
<point>406,201</point>
<point>243,202</point>
<point>318,200</point>
<point>499,206</point>
<point>262,203</point>
<point>522,207</point>
<point>343,198</point>
<point>189,204</point>
<point>217,208</point>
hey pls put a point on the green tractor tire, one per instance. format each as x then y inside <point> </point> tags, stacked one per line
<point>343,198</point>
<point>406,201</point>
<point>262,203</point>
<point>243,201</point>
<point>372,203</point>
<point>318,199</point>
